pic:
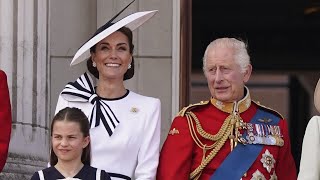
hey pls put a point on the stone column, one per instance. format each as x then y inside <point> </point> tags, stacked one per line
<point>23,56</point>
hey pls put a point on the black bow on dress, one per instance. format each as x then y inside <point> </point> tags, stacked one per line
<point>82,90</point>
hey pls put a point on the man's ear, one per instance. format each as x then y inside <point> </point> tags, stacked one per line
<point>247,73</point>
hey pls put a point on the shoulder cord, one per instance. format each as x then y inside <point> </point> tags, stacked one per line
<point>206,135</point>
<point>224,132</point>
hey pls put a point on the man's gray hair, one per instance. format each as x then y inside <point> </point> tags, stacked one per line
<point>241,55</point>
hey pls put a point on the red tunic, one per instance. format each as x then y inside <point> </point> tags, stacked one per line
<point>5,119</point>
<point>180,155</point>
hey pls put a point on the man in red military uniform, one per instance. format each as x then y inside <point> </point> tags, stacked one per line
<point>5,119</point>
<point>230,136</point>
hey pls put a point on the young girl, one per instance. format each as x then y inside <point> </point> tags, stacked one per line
<point>70,152</point>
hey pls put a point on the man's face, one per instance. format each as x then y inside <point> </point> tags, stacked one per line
<point>224,76</point>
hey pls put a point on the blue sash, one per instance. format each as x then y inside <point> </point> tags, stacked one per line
<point>243,156</point>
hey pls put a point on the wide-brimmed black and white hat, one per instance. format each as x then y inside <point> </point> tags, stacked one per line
<point>132,22</point>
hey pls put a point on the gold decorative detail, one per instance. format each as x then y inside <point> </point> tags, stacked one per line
<point>274,176</point>
<point>257,176</point>
<point>174,131</point>
<point>267,160</point>
<point>248,102</point>
<point>220,138</point>
<point>184,110</point>
<point>220,105</point>
<point>230,107</point>
<point>279,141</point>
<point>134,110</point>
<point>231,136</point>
<point>206,135</point>
<point>265,120</point>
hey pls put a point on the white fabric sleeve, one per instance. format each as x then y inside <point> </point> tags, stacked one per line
<point>148,155</point>
<point>310,156</point>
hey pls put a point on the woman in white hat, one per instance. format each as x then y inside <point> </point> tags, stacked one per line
<point>125,126</point>
<point>310,156</point>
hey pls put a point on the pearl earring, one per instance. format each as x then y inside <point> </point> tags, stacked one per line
<point>129,66</point>
<point>94,64</point>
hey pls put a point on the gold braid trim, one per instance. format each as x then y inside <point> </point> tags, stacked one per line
<point>191,106</point>
<point>216,146</point>
<point>206,135</point>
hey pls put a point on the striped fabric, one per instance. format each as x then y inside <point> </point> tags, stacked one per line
<point>82,90</point>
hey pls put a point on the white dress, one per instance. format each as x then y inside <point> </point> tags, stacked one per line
<point>310,156</point>
<point>132,150</point>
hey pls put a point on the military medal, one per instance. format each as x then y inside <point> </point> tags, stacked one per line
<point>273,176</point>
<point>263,134</point>
<point>267,160</point>
<point>134,110</point>
<point>258,176</point>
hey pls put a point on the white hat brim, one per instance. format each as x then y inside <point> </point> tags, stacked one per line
<point>132,22</point>
<point>317,96</point>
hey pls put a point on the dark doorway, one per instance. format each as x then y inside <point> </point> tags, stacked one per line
<point>299,109</point>
<point>282,34</point>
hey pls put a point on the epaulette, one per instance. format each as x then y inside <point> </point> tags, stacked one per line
<point>192,106</point>
<point>268,109</point>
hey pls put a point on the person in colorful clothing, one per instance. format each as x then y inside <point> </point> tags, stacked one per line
<point>5,119</point>
<point>230,136</point>
<point>125,126</point>
<point>70,154</point>
<point>310,154</point>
